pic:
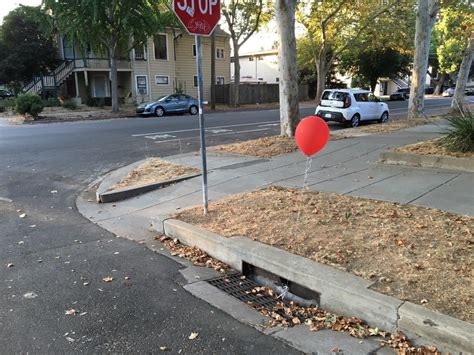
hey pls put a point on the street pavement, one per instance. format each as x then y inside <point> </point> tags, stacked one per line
<point>58,259</point>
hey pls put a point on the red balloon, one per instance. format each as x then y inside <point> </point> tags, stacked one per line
<point>311,135</point>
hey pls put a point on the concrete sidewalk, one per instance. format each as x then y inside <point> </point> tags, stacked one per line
<point>347,166</point>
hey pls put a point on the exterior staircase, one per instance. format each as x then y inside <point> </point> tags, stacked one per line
<point>51,81</point>
<point>400,82</point>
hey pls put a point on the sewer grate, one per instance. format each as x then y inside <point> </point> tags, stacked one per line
<point>241,288</point>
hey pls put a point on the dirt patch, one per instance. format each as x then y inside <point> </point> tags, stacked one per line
<point>413,253</point>
<point>154,170</point>
<point>82,113</point>
<point>395,125</point>
<point>265,147</point>
<point>432,147</point>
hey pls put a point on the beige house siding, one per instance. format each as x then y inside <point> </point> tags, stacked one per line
<point>186,63</point>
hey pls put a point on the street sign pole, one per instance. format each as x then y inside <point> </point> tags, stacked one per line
<point>201,122</point>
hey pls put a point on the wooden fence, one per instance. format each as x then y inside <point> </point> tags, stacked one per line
<point>255,93</point>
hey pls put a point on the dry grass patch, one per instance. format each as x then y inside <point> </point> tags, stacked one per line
<point>265,147</point>
<point>418,254</point>
<point>432,147</point>
<point>395,125</point>
<point>154,170</point>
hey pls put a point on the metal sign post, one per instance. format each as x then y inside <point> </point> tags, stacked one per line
<point>202,133</point>
<point>200,18</point>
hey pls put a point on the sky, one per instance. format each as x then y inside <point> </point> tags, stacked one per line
<point>8,5</point>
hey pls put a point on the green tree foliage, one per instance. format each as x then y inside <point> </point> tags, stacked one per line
<point>336,26</point>
<point>109,26</point>
<point>370,64</point>
<point>26,47</point>
<point>451,34</point>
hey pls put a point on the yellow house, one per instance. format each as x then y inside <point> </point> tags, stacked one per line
<point>166,64</point>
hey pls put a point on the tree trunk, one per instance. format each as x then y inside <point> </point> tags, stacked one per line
<point>373,84</point>
<point>236,92</point>
<point>425,19</point>
<point>114,83</point>
<point>439,84</point>
<point>463,75</point>
<point>213,71</point>
<point>322,72</point>
<point>289,103</point>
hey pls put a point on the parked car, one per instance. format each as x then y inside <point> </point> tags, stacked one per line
<point>5,94</point>
<point>176,103</point>
<point>469,91</point>
<point>400,95</point>
<point>351,106</point>
<point>448,92</point>
<point>429,90</point>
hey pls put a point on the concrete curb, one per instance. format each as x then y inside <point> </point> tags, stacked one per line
<point>340,292</point>
<point>427,161</point>
<point>117,195</point>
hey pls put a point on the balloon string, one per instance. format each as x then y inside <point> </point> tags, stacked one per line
<point>305,186</point>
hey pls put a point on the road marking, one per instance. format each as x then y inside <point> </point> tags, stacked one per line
<point>197,129</point>
<point>4,199</point>
<point>160,136</point>
<point>217,131</point>
<point>221,134</point>
<point>269,125</point>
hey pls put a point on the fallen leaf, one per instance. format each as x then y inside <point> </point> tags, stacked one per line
<point>23,215</point>
<point>108,279</point>
<point>71,312</point>
<point>163,348</point>
<point>54,191</point>
<point>193,336</point>
<point>10,265</point>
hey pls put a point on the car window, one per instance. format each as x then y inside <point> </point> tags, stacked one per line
<point>334,95</point>
<point>373,98</point>
<point>183,97</point>
<point>361,97</point>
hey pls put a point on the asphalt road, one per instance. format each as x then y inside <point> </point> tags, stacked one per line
<point>59,258</point>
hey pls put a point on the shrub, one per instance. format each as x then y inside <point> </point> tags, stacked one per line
<point>29,104</point>
<point>70,104</point>
<point>460,137</point>
<point>6,104</point>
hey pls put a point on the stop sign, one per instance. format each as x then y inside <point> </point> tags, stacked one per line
<point>200,17</point>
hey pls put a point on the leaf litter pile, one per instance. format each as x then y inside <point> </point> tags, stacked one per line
<point>395,125</point>
<point>265,147</point>
<point>431,147</point>
<point>414,253</point>
<point>289,314</point>
<point>154,170</point>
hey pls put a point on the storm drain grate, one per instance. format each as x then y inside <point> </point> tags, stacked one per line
<point>241,288</point>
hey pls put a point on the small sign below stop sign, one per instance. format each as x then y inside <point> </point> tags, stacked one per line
<point>200,17</point>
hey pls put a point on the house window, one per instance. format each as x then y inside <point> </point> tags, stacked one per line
<point>161,46</point>
<point>195,81</point>
<point>142,85</point>
<point>220,53</point>
<point>277,80</point>
<point>250,59</point>
<point>139,52</point>
<point>220,80</point>
<point>162,80</point>
<point>194,50</point>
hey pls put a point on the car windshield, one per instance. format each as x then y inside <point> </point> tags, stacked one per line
<point>160,98</point>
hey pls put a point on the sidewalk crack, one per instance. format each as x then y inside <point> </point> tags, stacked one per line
<point>434,188</point>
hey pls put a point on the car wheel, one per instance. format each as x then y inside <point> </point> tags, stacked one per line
<point>355,121</point>
<point>193,110</point>
<point>383,118</point>
<point>159,111</point>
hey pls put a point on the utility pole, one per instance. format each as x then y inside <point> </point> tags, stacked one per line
<point>213,71</point>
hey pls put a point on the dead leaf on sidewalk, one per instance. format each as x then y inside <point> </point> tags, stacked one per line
<point>71,312</point>
<point>193,336</point>
<point>108,279</point>
<point>9,265</point>
<point>23,215</point>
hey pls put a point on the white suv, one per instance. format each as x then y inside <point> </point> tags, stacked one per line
<point>350,106</point>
